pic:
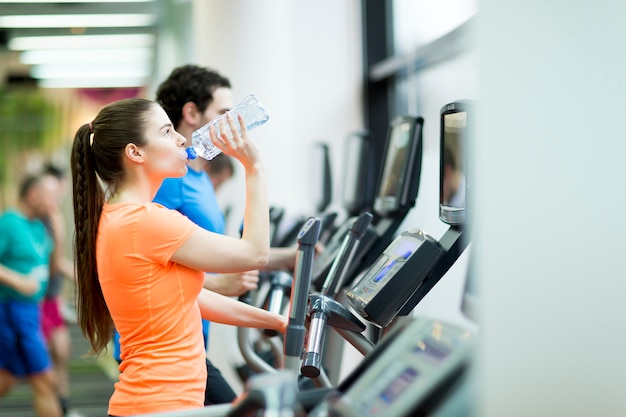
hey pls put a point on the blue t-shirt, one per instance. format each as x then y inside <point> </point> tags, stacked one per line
<point>192,195</point>
<point>25,247</point>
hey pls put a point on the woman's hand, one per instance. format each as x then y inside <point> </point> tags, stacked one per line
<point>237,145</point>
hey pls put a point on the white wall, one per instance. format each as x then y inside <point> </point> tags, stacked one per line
<point>549,238</point>
<point>303,60</point>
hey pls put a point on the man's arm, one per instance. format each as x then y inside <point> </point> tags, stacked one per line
<point>17,281</point>
<point>281,258</point>
<point>285,258</point>
<point>59,263</point>
<point>232,285</point>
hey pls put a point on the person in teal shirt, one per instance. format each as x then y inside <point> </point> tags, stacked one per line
<point>25,249</point>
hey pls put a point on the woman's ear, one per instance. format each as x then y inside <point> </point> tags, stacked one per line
<point>133,153</point>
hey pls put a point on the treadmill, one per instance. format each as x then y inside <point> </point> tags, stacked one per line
<point>420,367</point>
<point>396,192</point>
<point>415,259</point>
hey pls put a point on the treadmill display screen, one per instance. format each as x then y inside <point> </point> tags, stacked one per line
<point>399,176</point>
<point>431,350</point>
<point>454,181</point>
<point>398,385</point>
<point>401,251</point>
<point>392,260</point>
<point>393,174</point>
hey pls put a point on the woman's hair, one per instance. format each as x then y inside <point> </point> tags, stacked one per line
<point>97,155</point>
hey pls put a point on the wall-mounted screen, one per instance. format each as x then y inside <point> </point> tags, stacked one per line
<point>321,177</point>
<point>401,168</point>
<point>453,178</point>
<point>358,178</point>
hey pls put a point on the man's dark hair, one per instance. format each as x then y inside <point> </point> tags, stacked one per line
<point>219,164</point>
<point>188,83</point>
<point>54,171</point>
<point>27,184</point>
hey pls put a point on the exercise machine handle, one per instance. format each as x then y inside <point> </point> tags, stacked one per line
<point>280,284</point>
<point>296,330</point>
<point>311,361</point>
<point>338,270</point>
<point>325,310</point>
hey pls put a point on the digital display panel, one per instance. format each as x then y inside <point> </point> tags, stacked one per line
<point>431,350</point>
<point>453,169</point>
<point>399,176</point>
<point>359,180</point>
<point>400,250</point>
<point>453,181</point>
<point>395,162</point>
<point>398,385</point>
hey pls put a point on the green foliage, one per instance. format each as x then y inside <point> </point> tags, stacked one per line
<point>27,123</point>
<point>25,116</point>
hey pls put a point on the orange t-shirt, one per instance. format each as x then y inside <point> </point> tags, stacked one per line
<point>154,306</point>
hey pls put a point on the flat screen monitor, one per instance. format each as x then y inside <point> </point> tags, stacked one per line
<point>321,176</point>
<point>358,178</point>
<point>453,172</point>
<point>400,172</point>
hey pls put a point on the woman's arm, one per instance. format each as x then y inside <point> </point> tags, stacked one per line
<point>208,251</point>
<point>220,309</point>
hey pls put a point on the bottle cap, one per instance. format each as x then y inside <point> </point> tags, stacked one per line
<point>190,153</point>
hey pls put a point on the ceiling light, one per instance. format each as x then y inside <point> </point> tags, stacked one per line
<point>51,56</point>
<point>120,70</point>
<point>24,43</point>
<point>77,20</point>
<point>93,83</point>
<point>77,1</point>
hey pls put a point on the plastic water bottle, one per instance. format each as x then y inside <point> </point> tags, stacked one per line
<point>253,113</point>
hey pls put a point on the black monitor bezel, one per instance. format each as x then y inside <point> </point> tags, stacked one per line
<point>358,177</point>
<point>322,164</point>
<point>405,195</point>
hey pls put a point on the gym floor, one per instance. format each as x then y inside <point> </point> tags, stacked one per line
<point>91,385</point>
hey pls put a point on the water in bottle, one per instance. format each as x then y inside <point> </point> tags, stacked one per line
<point>253,113</point>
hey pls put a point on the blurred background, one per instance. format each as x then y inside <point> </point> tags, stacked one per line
<point>547,235</point>
<point>324,70</point>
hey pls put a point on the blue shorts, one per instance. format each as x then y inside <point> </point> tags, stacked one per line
<point>23,350</point>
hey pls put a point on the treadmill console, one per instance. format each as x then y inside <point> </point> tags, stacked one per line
<point>324,261</point>
<point>421,362</point>
<point>395,276</point>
